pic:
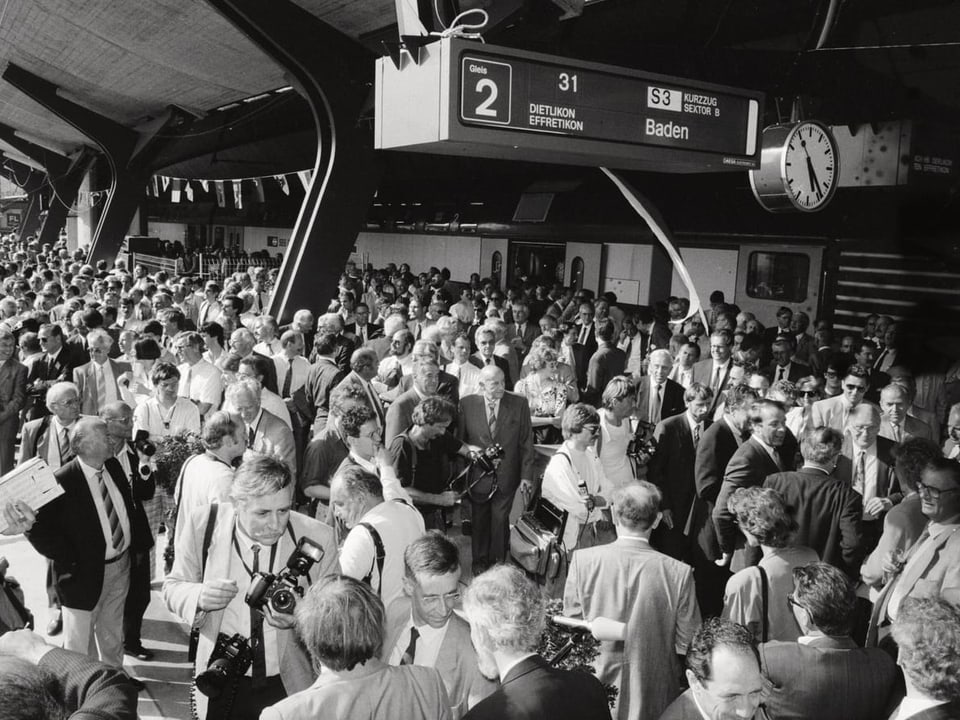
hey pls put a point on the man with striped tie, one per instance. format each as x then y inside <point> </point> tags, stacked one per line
<point>88,534</point>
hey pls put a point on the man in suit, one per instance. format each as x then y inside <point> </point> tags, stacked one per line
<point>607,361</point>
<point>89,532</point>
<point>265,432</point>
<point>784,365</point>
<point>896,424</point>
<point>658,385</point>
<point>13,396</point>
<point>825,675</point>
<point>723,671</point>
<point>362,330</point>
<point>586,330</point>
<point>827,510</point>
<point>363,369</point>
<point>931,567</point>
<point>714,372</point>
<point>525,330</point>
<point>423,629</point>
<point>332,324</point>
<point>651,593</point>
<point>496,416</point>
<point>654,330</point>
<point>529,687</point>
<point>324,376</point>
<point>57,366</point>
<point>206,589</point>
<point>784,318</point>
<point>927,633</point>
<point>835,411</point>
<point>448,386</point>
<point>867,465</point>
<point>486,340</point>
<point>770,449</point>
<point>426,379</point>
<point>573,355</point>
<point>303,323</point>
<point>717,446</point>
<point>41,680</point>
<point>97,379</point>
<point>672,469</point>
<point>804,344</point>
<point>119,419</point>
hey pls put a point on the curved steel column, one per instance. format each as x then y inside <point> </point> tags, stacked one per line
<point>335,75</point>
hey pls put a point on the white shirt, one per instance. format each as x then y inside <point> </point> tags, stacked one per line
<point>159,422</point>
<point>109,381</point>
<point>782,372</point>
<point>301,371</point>
<point>468,375</point>
<point>911,706</point>
<point>205,384</point>
<point>269,401</point>
<point>917,552</point>
<point>90,473</point>
<point>569,476</point>
<point>398,525</point>
<point>870,467</point>
<point>204,480</point>
<point>428,644</point>
<point>236,616</point>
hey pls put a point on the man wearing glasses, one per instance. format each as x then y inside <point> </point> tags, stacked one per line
<point>56,366</point>
<point>835,412</point>
<point>931,567</point>
<point>423,629</point>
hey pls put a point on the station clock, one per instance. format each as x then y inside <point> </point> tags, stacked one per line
<point>799,168</point>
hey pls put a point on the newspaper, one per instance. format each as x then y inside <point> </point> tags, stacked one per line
<point>33,483</point>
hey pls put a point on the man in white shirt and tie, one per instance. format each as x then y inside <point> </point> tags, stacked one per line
<point>467,374</point>
<point>266,330</point>
<point>897,425</point>
<point>200,381</point>
<point>783,366</point>
<point>835,411</point>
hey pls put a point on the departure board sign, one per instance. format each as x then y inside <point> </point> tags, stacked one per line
<point>467,98</point>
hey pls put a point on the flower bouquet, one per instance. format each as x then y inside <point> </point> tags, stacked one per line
<point>172,452</point>
<point>584,651</point>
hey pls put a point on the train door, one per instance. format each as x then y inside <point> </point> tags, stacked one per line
<point>582,265</point>
<point>774,275</point>
<point>541,263</point>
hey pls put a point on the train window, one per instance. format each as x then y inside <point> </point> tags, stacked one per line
<point>576,273</point>
<point>778,276</point>
<point>496,267</point>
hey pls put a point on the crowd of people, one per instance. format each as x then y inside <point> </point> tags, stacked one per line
<point>772,513</point>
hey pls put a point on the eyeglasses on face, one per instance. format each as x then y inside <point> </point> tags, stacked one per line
<point>593,429</point>
<point>932,492</point>
<point>855,388</point>
<point>448,599</point>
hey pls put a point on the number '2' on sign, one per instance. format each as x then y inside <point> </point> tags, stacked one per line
<point>485,91</point>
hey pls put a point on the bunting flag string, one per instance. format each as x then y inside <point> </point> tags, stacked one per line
<point>175,191</point>
<point>181,188</point>
<point>304,176</point>
<point>237,194</point>
<point>221,193</point>
<point>188,190</point>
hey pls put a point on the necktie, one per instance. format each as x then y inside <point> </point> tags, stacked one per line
<point>776,459</point>
<point>113,519</point>
<point>896,433</point>
<point>715,385</point>
<point>411,652</point>
<point>63,441</point>
<point>287,380</point>
<point>779,373</point>
<point>656,404</point>
<point>859,476</point>
<point>696,435</point>
<point>492,417</point>
<point>584,332</point>
<point>879,361</point>
<point>251,434</point>
<point>256,630</point>
<point>489,361</point>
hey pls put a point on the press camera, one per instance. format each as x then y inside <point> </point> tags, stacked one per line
<point>281,590</point>
<point>231,658</point>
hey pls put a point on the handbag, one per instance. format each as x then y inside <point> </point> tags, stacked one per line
<point>536,539</point>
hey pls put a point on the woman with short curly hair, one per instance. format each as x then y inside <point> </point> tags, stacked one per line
<point>757,596</point>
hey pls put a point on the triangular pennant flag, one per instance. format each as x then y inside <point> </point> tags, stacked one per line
<point>258,189</point>
<point>304,176</point>
<point>205,184</point>
<point>166,182</point>
<point>155,185</point>
<point>175,192</point>
<point>238,194</point>
<point>284,185</point>
<point>221,194</point>
<point>188,190</point>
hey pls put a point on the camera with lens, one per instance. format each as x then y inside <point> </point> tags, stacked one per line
<point>142,444</point>
<point>231,658</point>
<point>488,459</point>
<point>281,590</point>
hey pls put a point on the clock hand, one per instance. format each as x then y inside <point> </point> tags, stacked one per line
<point>813,177</point>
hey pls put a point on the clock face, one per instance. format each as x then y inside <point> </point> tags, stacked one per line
<point>810,166</point>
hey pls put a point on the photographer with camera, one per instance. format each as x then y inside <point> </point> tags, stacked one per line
<point>421,456</point>
<point>134,459</point>
<point>248,657</point>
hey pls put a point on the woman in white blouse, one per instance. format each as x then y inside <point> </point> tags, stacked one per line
<point>619,403</point>
<point>166,414</point>
<point>573,479</point>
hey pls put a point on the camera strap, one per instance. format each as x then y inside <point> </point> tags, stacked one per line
<point>273,552</point>
<point>379,559</point>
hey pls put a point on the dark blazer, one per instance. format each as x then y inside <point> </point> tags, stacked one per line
<point>513,432</point>
<point>887,483</point>
<point>672,399</point>
<point>533,690</point>
<point>46,372</point>
<point>90,688</point>
<point>590,346</point>
<point>323,378</point>
<point>13,395</point>
<point>828,512</point>
<point>607,362</point>
<point>797,370</point>
<point>373,331</point>
<point>500,362</point>
<point>685,708</point>
<point>448,387</point>
<point>717,446</point>
<point>947,711</point>
<point>672,469</point>
<point>270,380</point>
<point>141,488</point>
<point>400,415</point>
<point>748,467</point>
<point>829,679</point>
<point>68,532</point>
